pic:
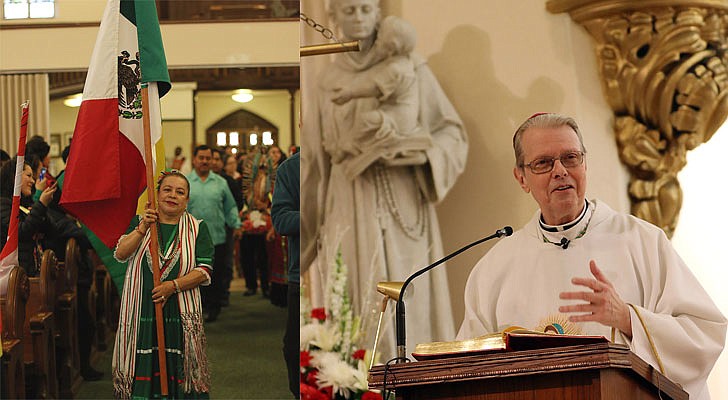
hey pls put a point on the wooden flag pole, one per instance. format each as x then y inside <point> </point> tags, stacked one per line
<point>154,244</point>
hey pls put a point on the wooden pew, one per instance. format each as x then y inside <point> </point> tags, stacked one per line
<point>112,304</point>
<point>104,305</point>
<point>96,307</point>
<point>12,368</point>
<point>66,322</point>
<point>39,332</point>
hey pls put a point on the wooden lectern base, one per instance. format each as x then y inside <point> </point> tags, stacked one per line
<point>598,371</point>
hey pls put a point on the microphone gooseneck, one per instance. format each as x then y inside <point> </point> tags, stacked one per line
<point>400,312</point>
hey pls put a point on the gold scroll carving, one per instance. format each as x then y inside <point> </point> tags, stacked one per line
<point>663,70</point>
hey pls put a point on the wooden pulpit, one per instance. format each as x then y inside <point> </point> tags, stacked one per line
<point>596,371</point>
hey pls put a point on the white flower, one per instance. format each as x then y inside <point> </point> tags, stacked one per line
<point>361,376</point>
<point>340,375</point>
<point>332,342</point>
<point>320,358</point>
<point>326,338</point>
<point>256,217</point>
<point>308,333</point>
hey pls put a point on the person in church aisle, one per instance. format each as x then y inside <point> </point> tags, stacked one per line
<point>275,244</point>
<point>628,281</point>
<point>230,168</point>
<point>256,182</point>
<point>286,216</point>
<point>186,259</point>
<point>34,222</point>
<point>218,166</point>
<point>212,201</point>
<point>234,179</point>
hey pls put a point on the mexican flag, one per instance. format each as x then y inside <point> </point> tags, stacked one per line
<point>9,253</point>
<point>105,173</point>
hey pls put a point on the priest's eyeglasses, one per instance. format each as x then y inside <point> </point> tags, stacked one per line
<point>546,164</point>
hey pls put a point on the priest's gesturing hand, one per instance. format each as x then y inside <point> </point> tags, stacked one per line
<point>604,304</point>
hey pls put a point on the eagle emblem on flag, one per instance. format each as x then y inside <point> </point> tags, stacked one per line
<point>129,89</point>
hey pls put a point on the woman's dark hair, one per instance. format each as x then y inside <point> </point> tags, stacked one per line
<point>36,145</point>
<point>34,161</point>
<point>7,177</point>
<point>283,153</point>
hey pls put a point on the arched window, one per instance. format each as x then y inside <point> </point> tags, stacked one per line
<point>242,129</point>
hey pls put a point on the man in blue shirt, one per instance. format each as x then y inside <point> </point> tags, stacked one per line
<point>211,201</point>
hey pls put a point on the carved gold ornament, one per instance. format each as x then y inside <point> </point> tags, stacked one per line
<point>663,69</point>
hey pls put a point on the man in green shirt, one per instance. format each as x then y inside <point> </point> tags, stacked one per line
<point>212,201</point>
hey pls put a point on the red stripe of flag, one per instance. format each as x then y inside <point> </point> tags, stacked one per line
<point>9,253</point>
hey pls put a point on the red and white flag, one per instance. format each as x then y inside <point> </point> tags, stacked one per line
<point>9,253</point>
<point>105,173</point>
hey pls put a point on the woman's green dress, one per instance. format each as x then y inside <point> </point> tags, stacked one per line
<point>146,384</point>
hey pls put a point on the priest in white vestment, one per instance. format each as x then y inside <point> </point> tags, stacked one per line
<point>383,218</point>
<point>587,269</point>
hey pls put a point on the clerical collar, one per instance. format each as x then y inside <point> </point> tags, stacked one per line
<point>568,225</point>
<point>563,235</point>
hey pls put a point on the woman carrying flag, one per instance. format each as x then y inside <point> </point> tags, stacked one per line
<point>185,254</point>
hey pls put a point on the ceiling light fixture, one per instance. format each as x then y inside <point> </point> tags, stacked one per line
<point>243,95</point>
<point>73,101</point>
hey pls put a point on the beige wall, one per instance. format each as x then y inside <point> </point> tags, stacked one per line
<point>194,44</point>
<point>177,133</point>
<point>63,119</point>
<point>191,44</point>
<point>499,64</point>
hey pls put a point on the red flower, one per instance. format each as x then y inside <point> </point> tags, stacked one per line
<point>311,378</point>
<point>329,391</point>
<point>359,354</point>
<point>309,392</point>
<point>305,359</point>
<point>371,396</point>
<point>319,314</point>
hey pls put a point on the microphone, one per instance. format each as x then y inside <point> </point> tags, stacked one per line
<point>399,315</point>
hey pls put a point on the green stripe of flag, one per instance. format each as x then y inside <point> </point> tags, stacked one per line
<point>143,14</point>
<point>116,269</point>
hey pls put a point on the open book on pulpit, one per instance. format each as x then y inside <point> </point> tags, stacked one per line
<point>508,340</point>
